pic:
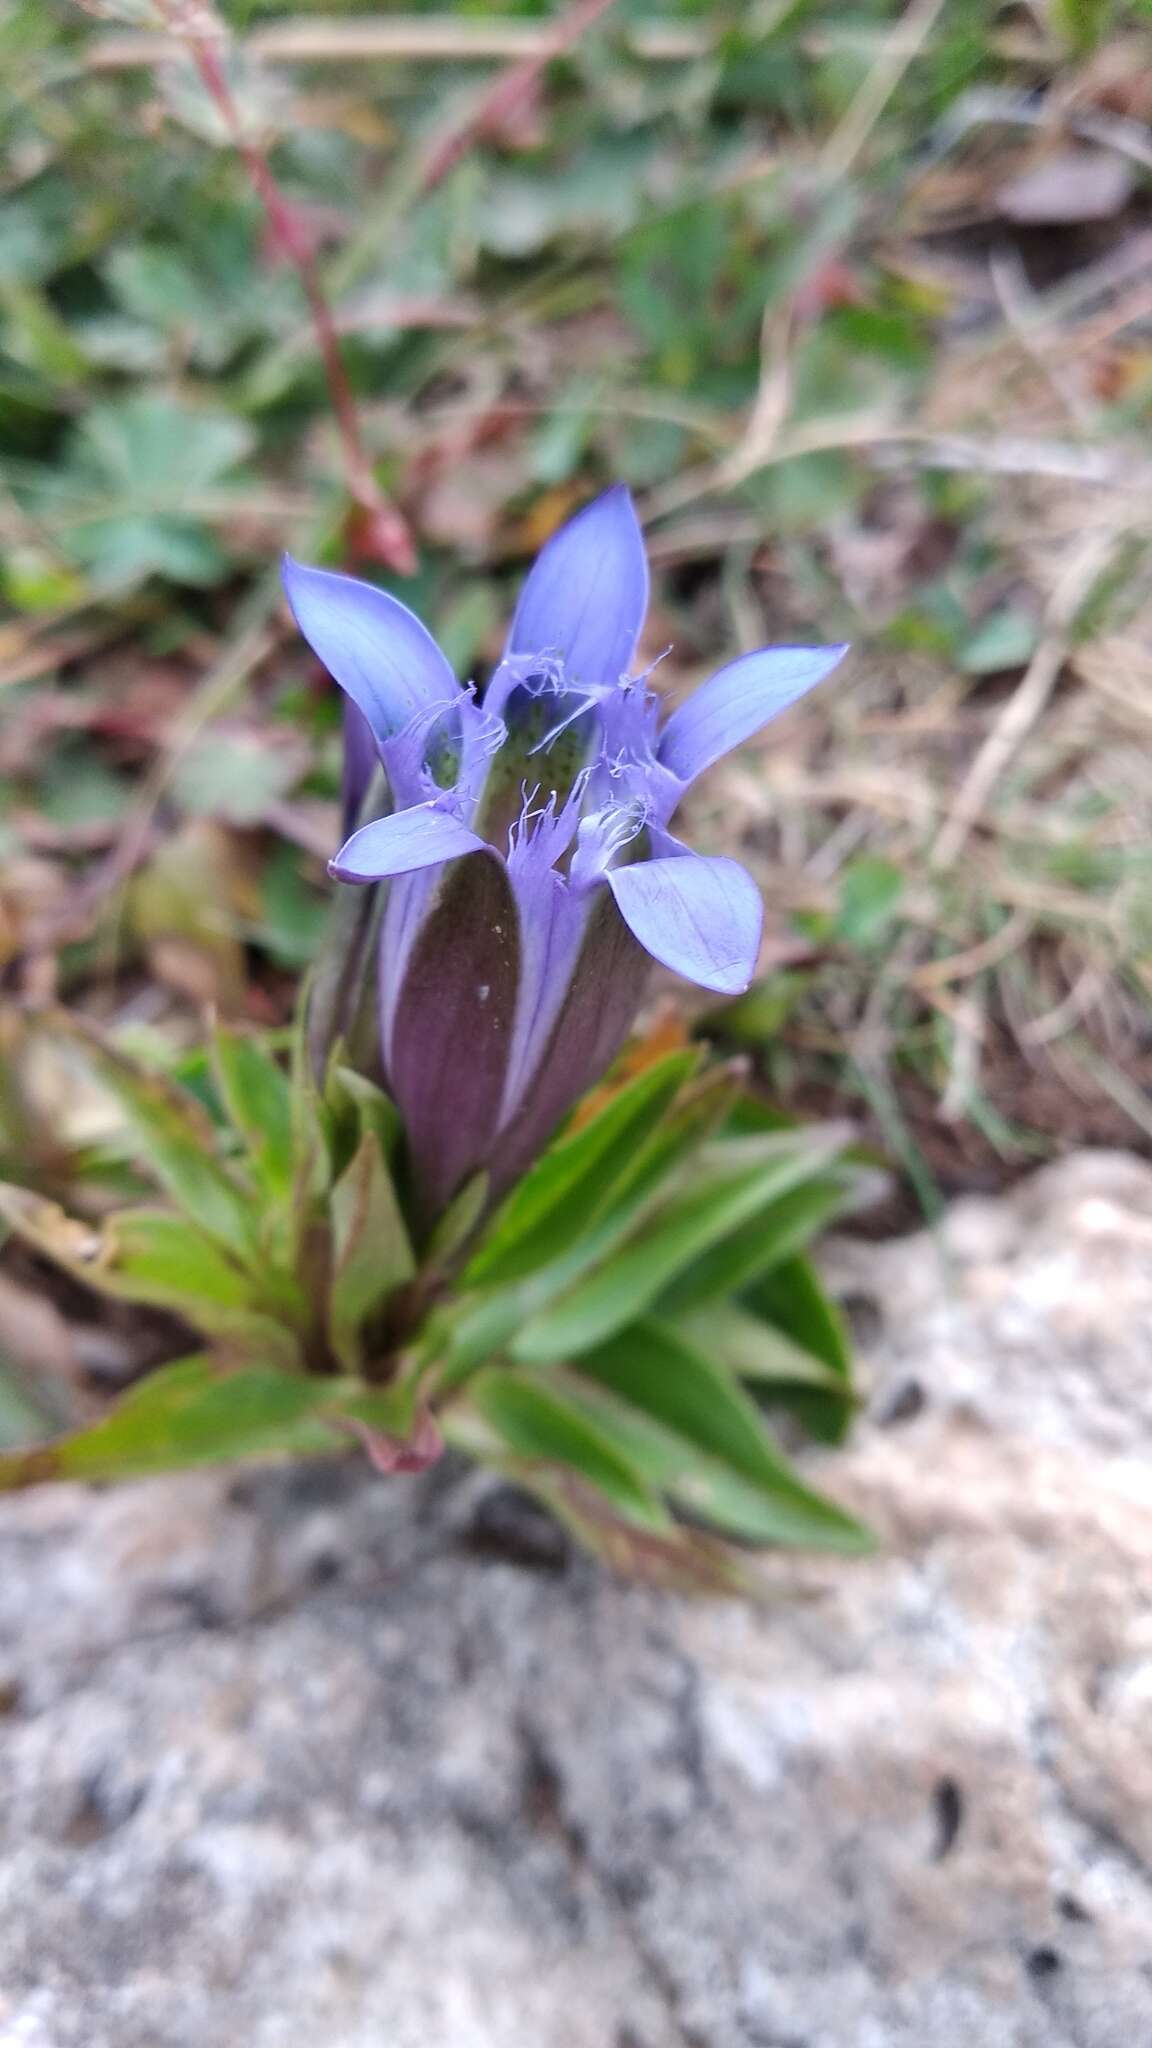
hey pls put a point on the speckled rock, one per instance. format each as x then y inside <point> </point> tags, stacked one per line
<point>308,1756</point>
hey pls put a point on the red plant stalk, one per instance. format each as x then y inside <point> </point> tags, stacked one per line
<point>380,529</point>
<point>509,92</point>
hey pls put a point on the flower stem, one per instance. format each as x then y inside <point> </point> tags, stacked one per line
<point>380,526</point>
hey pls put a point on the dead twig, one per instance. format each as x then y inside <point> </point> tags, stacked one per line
<point>1123,270</point>
<point>766,421</point>
<point>773,398</point>
<point>968,1016</point>
<point>935,974</point>
<point>850,137</point>
<point>1133,310</point>
<point>1026,703</point>
<point>891,445</point>
<point>32,657</point>
<point>423,38</point>
<point>1086,991</point>
<point>1024,315</point>
<point>415,39</point>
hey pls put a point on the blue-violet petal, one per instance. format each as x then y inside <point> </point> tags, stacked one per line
<point>737,701</point>
<point>377,650</point>
<point>700,916</point>
<point>398,845</point>
<point>587,592</point>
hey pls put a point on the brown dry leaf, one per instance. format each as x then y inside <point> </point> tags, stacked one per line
<point>684,1560</point>
<point>463,507</point>
<point>1117,78</point>
<point>23,656</point>
<point>31,889</point>
<point>1121,373</point>
<point>39,1343</point>
<point>357,118</point>
<point>188,908</point>
<point>548,511</point>
<point>64,1104</point>
<point>49,1229</point>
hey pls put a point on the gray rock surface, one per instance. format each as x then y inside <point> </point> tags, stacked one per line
<point>308,1757</point>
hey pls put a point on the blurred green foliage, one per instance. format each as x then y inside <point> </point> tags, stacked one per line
<point>155,364</point>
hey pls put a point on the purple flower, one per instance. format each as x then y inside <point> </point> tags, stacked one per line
<point>530,867</point>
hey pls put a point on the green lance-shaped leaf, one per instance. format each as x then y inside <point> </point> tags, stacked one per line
<point>536,1423</point>
<point>371,1252</point>
<point>673,1384</point>
<point>790,1300</point>
<point>485,1322</point>
<point>159,1258</point>
<point>194,1413</point>
<point>37,336</point>
<point>776,1370</point>
<point>186,1414</point>
<point>337,996</point>
<point>456,1228</point>
<point>575,1179</point>
<point>677,1558</point>
<point>790,1295</point>
<point>708,1490</point>
<point>177,1142</point>
<point>680,1137</point>
<point>153,1257</point>
<point>754,1350</point>
<point>783,1228</point>
<point>256,1094</point>
<point>308,1235</point>
<point>740,1178</point>
<point>354,1105</point>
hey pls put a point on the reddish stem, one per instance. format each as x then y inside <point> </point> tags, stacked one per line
<point>385,527</point>
<point>509,92</point>
<point>382,528</point>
